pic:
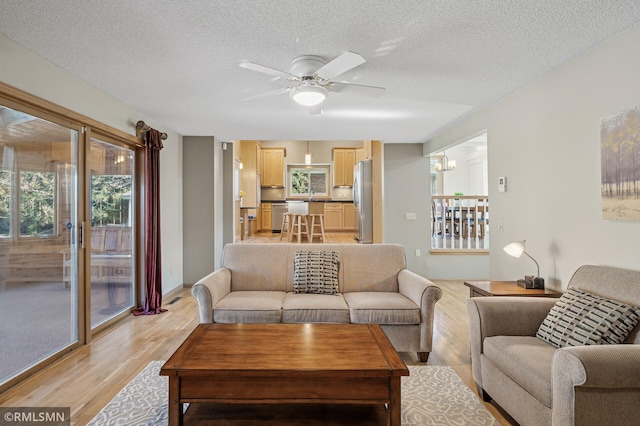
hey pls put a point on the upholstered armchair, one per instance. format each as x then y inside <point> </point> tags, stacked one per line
<point>538,383</point>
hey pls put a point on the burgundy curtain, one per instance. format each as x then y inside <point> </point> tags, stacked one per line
<point>153,265</point>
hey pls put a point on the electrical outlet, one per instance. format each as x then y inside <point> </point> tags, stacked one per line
<point>410,216</point>
<point>417,252</point>
<point>499,226</point>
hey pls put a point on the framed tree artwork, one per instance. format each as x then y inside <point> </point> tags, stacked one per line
<point>620,165</point>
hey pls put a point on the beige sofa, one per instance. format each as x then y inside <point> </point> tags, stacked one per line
<point>256,285</point>
<point>538,384</point>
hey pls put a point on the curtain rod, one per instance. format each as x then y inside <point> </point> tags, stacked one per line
<point>141,126</point>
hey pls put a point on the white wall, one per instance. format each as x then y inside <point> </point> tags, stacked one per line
<point>545,138</point>
<point>26,71</point>
<point>406,190</point>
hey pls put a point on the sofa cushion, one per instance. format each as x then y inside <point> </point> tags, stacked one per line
<point>302,308</point>
<point>250,307</point>
<point>580,318</point>
<point>379,307</point>
<point>315,272</point>
<point>371,267</point>
<point>256,268</point>
<point>526,360</point>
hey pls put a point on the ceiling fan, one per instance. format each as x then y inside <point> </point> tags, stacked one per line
<point>312,79</point>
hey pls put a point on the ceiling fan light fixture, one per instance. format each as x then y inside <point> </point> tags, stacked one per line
<point>308,95</point>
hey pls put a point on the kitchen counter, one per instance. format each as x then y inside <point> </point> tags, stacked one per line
<point>313,200</point>
<point>304,200</point>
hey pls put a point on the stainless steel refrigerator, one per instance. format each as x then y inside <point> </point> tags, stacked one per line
<point>363,201</point>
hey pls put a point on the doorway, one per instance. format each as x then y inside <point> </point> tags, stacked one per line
<point>459,197</point>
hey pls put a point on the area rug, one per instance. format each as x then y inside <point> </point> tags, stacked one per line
<point>431,395</point>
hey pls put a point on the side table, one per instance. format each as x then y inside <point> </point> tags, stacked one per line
<point>506,288</point>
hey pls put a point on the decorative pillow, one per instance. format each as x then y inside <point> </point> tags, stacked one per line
<point>579,318</point>
<point>316,272</point>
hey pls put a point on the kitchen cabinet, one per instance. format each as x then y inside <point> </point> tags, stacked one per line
<point>265,216</point>
<point>316,207</point>
<point>249,174</point>
<point>349,219</point>
<point>272,166</point>
<point>363,152</point>
<point>258,159</point>
<point>343,161</point>
<point>333,216</point>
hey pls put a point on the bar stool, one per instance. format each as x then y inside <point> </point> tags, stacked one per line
<point>299,226</point>
<point>318,224</point>
<point>286,222</point>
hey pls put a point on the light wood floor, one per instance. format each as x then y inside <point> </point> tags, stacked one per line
<point>88,378</point>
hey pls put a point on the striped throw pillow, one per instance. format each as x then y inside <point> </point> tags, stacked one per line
<point>316,272</point>
<point>579,318</point>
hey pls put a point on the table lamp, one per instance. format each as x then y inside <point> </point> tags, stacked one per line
<point>516,249</point>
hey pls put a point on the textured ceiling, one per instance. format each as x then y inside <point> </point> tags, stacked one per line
<point>177,61</point>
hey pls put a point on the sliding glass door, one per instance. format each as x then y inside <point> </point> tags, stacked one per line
<point>39,254</point>
<point>112,213</point>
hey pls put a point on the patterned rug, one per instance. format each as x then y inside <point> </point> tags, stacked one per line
<point>430,396</point>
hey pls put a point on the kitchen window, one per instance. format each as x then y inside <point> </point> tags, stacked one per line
<point>308,181</point>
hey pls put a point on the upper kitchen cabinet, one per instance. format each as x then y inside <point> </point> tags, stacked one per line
<point>272,167</point>
<point>363,152</point>
<point>343,161</point>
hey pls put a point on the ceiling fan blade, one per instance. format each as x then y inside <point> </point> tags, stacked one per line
<point>357,89</point>
<point>266,70</point>
<point>339,65</point>
<point>268,94</point>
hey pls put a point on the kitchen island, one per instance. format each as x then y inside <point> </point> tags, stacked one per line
<point>339,214</point>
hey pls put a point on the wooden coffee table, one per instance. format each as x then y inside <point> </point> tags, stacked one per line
<point>288,364</point>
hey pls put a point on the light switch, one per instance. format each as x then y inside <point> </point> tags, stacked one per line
<point>410,216</point>
<point>502,184</point>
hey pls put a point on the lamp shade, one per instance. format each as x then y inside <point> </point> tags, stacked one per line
<point>515,248</point>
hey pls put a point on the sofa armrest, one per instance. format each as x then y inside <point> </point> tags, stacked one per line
<point>425,294</point>
<point>503,316</point>
<point>209,291</point>
<point>597,382</point>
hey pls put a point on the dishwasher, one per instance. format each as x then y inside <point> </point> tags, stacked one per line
<point>277,211</point>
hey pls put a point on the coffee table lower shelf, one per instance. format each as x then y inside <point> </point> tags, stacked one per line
<point>285,414</point>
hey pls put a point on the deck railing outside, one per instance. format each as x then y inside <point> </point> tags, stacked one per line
<point>460,223</point>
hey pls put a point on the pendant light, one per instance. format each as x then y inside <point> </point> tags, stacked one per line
<point>307,155</point>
